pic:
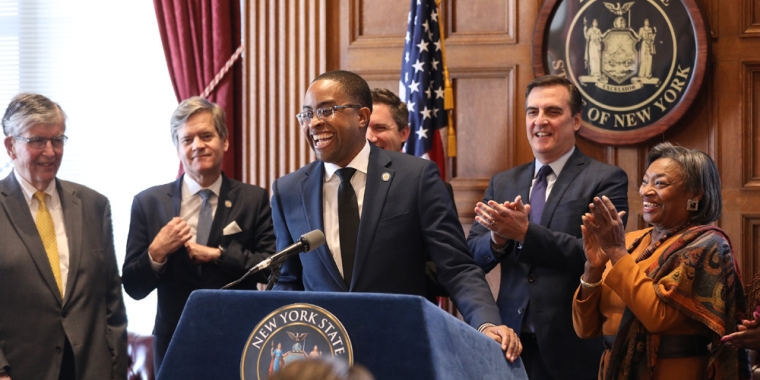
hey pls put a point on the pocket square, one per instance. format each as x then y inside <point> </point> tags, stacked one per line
<point>231,229</point>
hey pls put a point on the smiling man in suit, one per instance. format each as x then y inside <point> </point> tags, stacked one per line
<point>201,231</point>
<point>384,213</point>
<point>538,245</point>
<point>61,309</point>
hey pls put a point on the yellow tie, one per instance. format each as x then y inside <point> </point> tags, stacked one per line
<point>47,232</point>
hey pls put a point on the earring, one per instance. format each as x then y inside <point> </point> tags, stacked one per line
<point>692,205</point>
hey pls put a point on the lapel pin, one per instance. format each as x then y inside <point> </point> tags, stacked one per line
<point>228,203</point>
<point>386,176</point>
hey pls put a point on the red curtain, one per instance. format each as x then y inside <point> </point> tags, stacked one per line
<point>199,36</point>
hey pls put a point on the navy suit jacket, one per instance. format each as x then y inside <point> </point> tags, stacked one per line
<point>34,320</point>
<point>245,204</point>
<point>547,269</point>
<point>407,218</point>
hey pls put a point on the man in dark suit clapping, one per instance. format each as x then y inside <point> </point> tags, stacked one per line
<point>538,245</point>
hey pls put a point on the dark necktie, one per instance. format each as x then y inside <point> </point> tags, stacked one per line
<point>538,197</point>
<point>204,218</point>
<point>348,221</point>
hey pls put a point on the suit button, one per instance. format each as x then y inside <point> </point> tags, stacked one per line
<point>58,349</point>
<point>520,311</point>
<point>65,314</point>
<point>488,259</point>
<point>531,278</point>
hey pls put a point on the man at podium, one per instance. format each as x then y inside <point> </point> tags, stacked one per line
<point>384,214</point>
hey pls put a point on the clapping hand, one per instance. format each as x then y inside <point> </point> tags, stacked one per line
<point>596,259</point>
<point>606,224</point>
<point>748,335</point>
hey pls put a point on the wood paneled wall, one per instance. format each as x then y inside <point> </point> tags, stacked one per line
<point>287,44</point>
<point>488,44</point>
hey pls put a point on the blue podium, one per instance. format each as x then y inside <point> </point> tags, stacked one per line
<point>394,336</point>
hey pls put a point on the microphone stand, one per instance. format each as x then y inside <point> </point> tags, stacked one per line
<point>273,277</point>
<point>239,280</point>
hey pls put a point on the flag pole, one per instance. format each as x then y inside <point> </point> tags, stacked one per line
<point>448,93</point>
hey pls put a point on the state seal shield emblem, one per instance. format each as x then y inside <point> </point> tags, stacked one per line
<point>290,333</point>
<point>619,59</point>
<point>638,64</point>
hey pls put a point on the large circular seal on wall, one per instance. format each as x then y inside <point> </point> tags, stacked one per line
<point>293,332</point>
<point>638,64</point>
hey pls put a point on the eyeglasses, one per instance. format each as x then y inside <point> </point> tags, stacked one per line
<point>307,116</point>
<point>41,142</point>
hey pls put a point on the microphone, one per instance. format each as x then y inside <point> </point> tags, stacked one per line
<point>306,243</point>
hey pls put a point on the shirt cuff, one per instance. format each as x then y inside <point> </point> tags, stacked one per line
<point>157,267</point>
<point>499,250</point>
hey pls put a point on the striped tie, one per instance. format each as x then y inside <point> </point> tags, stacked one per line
<point>47,232</point>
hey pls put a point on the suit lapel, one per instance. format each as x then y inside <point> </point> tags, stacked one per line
<point>174,200</point>
<point>72,219</point>
<point>573,167</point>
<point>172,207</point>
<point>375,193</point>
<point>525,181</point>
<point>15,206</point>
<point>312,203</point>
<point>227,200</point>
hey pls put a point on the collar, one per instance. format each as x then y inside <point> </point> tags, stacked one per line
<point>360,163</point>
<point>557,165</point>
<point>193,187</point>
<point>29,190</point>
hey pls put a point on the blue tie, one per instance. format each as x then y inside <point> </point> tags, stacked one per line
<point>537,203</point>
<point>204,218</point>
<point>538,197</point>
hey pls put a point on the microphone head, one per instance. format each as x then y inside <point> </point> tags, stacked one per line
<point>312,240</point>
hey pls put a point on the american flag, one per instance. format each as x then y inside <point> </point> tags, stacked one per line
<point>422,85</point>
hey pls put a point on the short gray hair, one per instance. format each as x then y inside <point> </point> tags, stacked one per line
<point>26,110</point>
<point>190,107</point>
<point>700,174</point>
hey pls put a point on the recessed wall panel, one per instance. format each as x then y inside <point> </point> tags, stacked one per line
<point>488,16</point>
<point>483,123</point>
<point>751,11</point>
<point>751,130</point>
<point>392,23</point>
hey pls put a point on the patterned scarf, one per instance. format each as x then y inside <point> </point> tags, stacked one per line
<point>698,276</point>
<point>753,296</point>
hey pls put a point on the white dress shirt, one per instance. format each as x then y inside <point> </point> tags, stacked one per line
<point>330,199</point>
<point>53,202</point>
<point>190,207</point>
<point>556,166</point>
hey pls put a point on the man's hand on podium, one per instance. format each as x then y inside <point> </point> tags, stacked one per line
<point>510,342</point>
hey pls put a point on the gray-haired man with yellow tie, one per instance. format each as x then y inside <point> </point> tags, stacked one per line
<point>61,309</point>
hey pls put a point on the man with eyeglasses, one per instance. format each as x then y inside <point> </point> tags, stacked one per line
<point>202,231</point>
<point>383,213</point>
<point>61,308</point>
